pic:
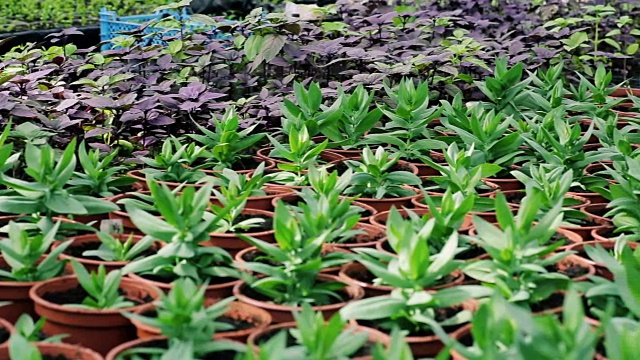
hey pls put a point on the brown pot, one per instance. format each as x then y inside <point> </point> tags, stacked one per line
<point>585,231</point>
<point>375,336</point>
<point>242,257</point>
<point>259,318</point>
<point>294,199</point>
<point>380,219</point>
<point>142,181</point>
<point>604,234</point>
<point>512,195</point>
<point>267,166</point>
<point>570,261</point>
<point>17,293</point>
<point>100,330</point>
<point>386,204</point>
<point>593,197</point>
<point>600,269</point>
<point>215,291</point>
<point>325,155</point>
<point>426,170</point>
<point>58,351</point>
<point>264,202</point>
<point>624,92</point>
<point>121,215</point>
<point>596,211</point>
<point>572,237</point>
<point>139,343</point>
<point>90,264</point>
<point>431,345</point>
<point>353,272</point>
<point>283,313</point>
<point>232,242</point>
<point>372,235</point>
<point>4,324</point>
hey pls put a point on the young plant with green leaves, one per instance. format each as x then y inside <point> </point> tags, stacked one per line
<point>184,224</point>
<point>99,176</point>
<point>310,111</point>
<point>409,115</point>
<point>373,176</point>
<point>357,118</point>
<point>183,315</point>
<point>227,143</point>
<point>28,255</point>
<point>113,248</point>
<point>506,90</point>
<point>488,132</point>
<point>170,164</point>
<point>102,288</point>
<point>290,272</point>
<point>520,251</point>
<point>232,184</point>
<point>625,201</point>
<point>463,171</point>
<point>49,194</point>
<point>449,212</point>
<point>410,306</point>
<point>33,330</point>
<point>501,330</point>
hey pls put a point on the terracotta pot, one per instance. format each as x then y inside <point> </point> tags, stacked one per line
<point>122,215</point>
<point>426,170</point>
<point>58,351</point>
<point>375,336</point>
<point>91,264</point>
<point>514,196</point>
<point>215,291</point>
<point>156,341</point>
<point>380,219</point>
<point>17,293</point>
<point>100,330</point>
<point>257,317</point>
<point>267,166</point>
<point>570,236</point>
<point>585,231</point>
<point>372,235</point>
<point>294,199</point>
<point>264,202</point>
<point>507,184</point>
<point>283,313</point>
<point>593,197</point>
<point>244,256</point>
<point>4,324</point>
<point>326,155</point>
<point>142,181</point>
<point>600,269</point>
<point>596,211</point>
<point>94,220</point>
<point>386,204</point>
<point>353,272</point>
<point>570,261</point>
<point>429,346</point>
<point>232,242</point>
<point>348,154</point>
<point>624,92</point>
<point>605,233</point>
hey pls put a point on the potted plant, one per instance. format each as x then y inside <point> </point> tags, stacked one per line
<point>291,275</point>
<point>26,261</point>
<point>111,251</point>
<point>309,330</point>
<point>21,348</point>
<point>185,313</point>
<point>87,306</point>
<point>411,244</point>
<point>228,144</point>
<point>522,263</point>
<point>184,226</point>
<point>380,181</point>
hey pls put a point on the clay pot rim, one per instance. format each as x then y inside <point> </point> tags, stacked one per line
<point>572,236</point>
<point>235,305</point>
<point>134,174</point>
<point>238,259</point>
<point>168,286</point>
<point>573,258</point>
<point>46,348</point>
<point>269,164</point>
<point>20,284</point>
<point>353,291</point>
<point>386,200</point>
<point>458,279</point>
<point>7,326</point>
<point>84,261</point>
<point>34,294</point>
<point>375,219</point>
<point>358,226</point>
<point>131,345</point>
<point>606,244</point>
<point>248,211</point>
<point>261,154</point>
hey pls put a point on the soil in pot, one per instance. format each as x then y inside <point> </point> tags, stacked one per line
<point>77,294</point>
<point>218,288</point>
<point>552,304</point>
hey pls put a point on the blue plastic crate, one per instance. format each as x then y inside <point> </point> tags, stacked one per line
<point>111,24</point>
